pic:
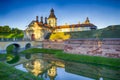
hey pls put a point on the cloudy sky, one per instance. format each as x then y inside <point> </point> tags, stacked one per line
<point>19,13</point>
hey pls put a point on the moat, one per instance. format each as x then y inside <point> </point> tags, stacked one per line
<point>48,67</point>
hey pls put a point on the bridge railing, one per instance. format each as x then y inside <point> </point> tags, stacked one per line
<point>13,39</point>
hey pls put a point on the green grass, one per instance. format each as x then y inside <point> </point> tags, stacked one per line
<point>11,35</point>
<point>77,58</point>
<point>10,73</point>
<point>109,32</point>
<point>39,50</point>
<point>90,59</point>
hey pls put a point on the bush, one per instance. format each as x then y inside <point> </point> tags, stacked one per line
<point>59,36</point>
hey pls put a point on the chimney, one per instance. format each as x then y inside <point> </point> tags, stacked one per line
<point>36,18</point>
<point>41,19</point>
<point>45,20</point>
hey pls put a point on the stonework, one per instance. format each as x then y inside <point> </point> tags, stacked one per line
<point>53,45</point>
<point>95,47</point>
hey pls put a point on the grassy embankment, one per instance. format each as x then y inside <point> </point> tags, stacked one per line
<point>11,35</point>
<point>108,32</point>
<point>77,58</point>
<point>10,73</point>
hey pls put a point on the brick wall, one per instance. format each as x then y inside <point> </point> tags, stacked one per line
<point>53,44</point>
<point>107,47</point>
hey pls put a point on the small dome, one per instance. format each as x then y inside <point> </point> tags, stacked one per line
<point>52,15</point>
<point>52,10</point>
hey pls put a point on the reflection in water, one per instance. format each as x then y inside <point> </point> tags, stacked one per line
<point>93,71</point>
<point>39,68</point>
<point>55,69</point>
<point>52,72</point>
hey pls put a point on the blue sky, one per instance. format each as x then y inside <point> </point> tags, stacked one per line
<point>19,13</point>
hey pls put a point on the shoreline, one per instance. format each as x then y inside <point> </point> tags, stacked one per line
<point>114,62</point>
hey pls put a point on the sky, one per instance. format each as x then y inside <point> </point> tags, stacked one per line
<point>19,13</point>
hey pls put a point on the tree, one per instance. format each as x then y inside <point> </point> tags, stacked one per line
<point>6,29</point>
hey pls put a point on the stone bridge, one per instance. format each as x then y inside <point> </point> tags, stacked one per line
<point>19,45</point>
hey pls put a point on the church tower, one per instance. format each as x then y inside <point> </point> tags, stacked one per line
<point>52,20</point>
<point>87,21</point>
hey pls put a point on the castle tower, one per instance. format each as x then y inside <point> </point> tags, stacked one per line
<point>52,20</point>
<point>87,21</point>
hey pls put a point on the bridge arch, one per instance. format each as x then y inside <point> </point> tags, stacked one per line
<point>28,45</point>
<point>16,47</point>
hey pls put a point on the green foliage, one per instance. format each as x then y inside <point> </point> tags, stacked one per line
<point>2,56</point>
<point>77,58</point>
<point>10,73</point>
<point>10,49</point>
<point>9,57</point>
<point>13,59</point>
<point>109,32</point>
<point>5,29</point>
<point>7,32</point>
<point>11,35</point>
<point>59,35</point>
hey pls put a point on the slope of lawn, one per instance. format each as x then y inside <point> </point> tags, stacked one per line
<point>11,35</point>
<point>108,32</point>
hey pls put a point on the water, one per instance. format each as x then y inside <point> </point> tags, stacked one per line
<point>51,68</point>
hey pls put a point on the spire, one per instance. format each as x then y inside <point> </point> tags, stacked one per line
<point>36,18</point>
<point>87,21</point>
<point>52,15</point>
<point>41,19</point>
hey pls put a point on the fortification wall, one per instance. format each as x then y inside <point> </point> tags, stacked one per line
<point>105,47</point>
<point>53,44</point>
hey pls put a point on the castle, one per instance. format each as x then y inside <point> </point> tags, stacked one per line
<point>38,30</point>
